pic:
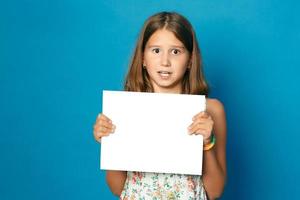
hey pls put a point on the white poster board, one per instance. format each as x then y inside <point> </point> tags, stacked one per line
<point>151,133</point>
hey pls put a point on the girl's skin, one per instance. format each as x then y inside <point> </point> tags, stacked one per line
<point>166,60</point>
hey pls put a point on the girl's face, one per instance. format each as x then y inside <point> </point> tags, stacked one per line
<point>166,60</point>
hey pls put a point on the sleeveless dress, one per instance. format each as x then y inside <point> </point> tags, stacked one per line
<point>162,186</point>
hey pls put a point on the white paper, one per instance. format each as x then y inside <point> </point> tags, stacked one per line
<point>151,133</point>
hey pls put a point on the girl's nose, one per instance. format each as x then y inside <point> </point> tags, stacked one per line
<point>165,60</point>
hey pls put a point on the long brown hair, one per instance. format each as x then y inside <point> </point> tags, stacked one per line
<point>193,81</point>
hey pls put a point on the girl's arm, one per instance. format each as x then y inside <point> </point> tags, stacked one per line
<point>214,160</point>
<point>115,181</point>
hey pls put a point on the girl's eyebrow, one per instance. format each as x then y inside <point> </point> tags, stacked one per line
<point>173,46</point>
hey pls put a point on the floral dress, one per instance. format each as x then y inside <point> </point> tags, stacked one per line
<point>162,186</point>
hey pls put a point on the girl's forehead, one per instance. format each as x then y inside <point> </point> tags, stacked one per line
<point>164,37</point>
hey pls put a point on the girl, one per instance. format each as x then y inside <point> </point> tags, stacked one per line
<point>167,59</point>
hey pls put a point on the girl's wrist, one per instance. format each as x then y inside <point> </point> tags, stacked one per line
<point>208,140</point>
<point>209,144</point>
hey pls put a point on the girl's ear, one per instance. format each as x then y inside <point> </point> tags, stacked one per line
<point>189,63</point>
<point>144,64</point>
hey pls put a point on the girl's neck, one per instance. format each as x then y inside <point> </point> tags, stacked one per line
<point>177,90</point>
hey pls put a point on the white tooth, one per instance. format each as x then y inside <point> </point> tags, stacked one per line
<point>165,75</point>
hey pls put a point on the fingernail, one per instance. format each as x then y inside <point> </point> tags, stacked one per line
<point>113,129</point>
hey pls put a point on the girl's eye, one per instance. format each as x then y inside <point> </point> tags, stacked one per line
<point>175,51</point>
<point>156,50</point>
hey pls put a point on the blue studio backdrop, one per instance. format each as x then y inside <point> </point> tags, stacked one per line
<point>56,57</point>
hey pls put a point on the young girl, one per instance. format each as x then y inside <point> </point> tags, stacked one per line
<point>167,60</point>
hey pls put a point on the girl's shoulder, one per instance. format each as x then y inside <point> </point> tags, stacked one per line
<point>214,107</point>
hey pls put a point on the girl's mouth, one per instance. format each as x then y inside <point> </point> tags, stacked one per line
<point>164,74</point>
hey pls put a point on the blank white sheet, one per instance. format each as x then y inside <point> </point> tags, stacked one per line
<point>151,132</point>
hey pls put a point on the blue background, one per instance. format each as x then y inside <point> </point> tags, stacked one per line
<point>56,56</point>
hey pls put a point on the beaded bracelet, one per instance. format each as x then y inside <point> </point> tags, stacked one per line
<point>210,145</point>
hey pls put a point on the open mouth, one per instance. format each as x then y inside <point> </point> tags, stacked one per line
<point>164,74</point>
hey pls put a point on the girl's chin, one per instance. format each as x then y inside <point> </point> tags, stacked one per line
<point>167,88</point>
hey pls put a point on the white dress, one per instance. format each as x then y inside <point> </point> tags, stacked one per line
<point>161,186</point>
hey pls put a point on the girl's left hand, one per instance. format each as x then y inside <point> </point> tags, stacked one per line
<point>202,124</point>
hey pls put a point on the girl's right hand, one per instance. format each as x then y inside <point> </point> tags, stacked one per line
<point>103,127</point>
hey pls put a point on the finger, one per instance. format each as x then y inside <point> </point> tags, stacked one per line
<point>200,131</point>
<point>98,134</point>
<point>98,138</point>
<point>202,114</point>
<point>199,121</point>
<point>103,129</point>
<point>196,127</point>
<point>103,117</point>
<point>204,132</point>
<point>197,116</point>
<point>204,129</point>
<point>208,121</point>
<point>103,133</point>
<point>106,124</point>
<point>204,124</point>
<point>205,114</point>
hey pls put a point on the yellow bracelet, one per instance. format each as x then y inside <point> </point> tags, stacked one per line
<point>210,145</point>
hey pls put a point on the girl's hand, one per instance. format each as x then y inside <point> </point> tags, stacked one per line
<point>103,127</point>
<point>202,124</point>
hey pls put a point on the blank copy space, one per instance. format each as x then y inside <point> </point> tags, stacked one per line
<point>151,133</point>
